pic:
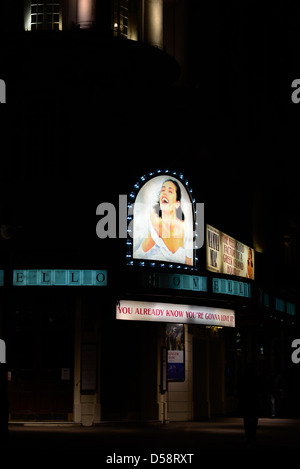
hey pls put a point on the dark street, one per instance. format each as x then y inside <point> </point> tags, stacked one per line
<point>179,439</point>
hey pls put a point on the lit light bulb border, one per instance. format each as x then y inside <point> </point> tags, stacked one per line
<point>129,243</point>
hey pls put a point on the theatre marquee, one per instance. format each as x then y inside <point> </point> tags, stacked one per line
<point>165,312</point>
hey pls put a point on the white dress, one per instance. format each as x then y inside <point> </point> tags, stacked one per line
<point>161,252</point>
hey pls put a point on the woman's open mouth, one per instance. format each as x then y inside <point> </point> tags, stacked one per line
<point>164,200</point>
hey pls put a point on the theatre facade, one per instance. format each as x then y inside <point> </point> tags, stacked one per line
<point>162,333</point>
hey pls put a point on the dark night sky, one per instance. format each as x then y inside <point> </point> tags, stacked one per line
<point>70,144</point>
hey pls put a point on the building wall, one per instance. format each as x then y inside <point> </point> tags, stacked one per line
<point>87,407</point>
<point>180,394</point>
<point>144,22</point>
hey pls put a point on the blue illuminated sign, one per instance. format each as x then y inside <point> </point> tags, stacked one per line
<point>279,305</point>
<point>53,277</point>
<point>290,308</point>
<point>231,287</point>
<point>177,281</point>
<point>196,283</point>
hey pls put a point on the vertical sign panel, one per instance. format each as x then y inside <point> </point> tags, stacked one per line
<point>226,255</point>
<point>175,348</point>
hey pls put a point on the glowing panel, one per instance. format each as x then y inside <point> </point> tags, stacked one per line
<point>174,313</point>
<point>52,277</point>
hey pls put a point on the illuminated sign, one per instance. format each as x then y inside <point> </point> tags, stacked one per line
<point>176,348</point>
<point>176,281</point>
<point>195,283</point>
<point>165,312</point>
<point>228,256</point>
<point>163,226</point>
<point>1,278</point>
<point>52,277</point>
<point>279,305</point>
<point>231,287</point>
<point>290,308</point>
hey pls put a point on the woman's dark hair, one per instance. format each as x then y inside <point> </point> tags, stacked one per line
<point>248,260</point>
<point>179,212</point>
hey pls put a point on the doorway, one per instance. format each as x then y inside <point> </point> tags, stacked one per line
<point>208,377</point>
<point>129,372</point>
<point>40,356</point>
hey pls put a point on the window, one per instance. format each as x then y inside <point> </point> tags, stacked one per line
<point>46,16</point>
<point>120,18</point>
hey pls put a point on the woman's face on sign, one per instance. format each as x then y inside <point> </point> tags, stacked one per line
<point>167,197</point>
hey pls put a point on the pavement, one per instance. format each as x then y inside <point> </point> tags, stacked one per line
<point>146,444</point>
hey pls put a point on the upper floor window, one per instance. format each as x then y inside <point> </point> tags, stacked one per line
<point>120,18</point>
<point>45,16</point>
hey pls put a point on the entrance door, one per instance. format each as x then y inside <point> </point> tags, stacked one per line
<point>208,377</point>
<point>201,379</point>
<point>40,331</point>
<point>129,372</point>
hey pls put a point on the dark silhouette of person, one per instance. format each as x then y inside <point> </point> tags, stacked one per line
<point>249,402</point>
